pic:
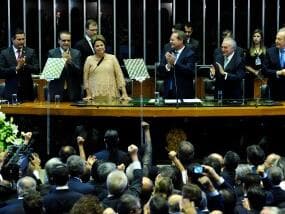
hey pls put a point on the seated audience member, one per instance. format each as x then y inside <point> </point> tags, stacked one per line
<point>274,67</point>
<point>103,76</point>
<point>87,204</point>
<point>17,64</point>
<point>24,185</point>
<point>68,86</point>
<point>75,166</point>
<point>177,68</point>
<point>228,71</point>
<point>62,199</point>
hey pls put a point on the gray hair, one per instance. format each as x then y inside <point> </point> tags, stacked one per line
<point>117,182</point>
<point>75,165</point>
<point>50,165</point>
<point>104,170</point>
<point>25,185</point>
<point>231,41</point>
<point>242,170</point>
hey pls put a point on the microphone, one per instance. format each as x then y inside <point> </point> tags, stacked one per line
<point>100,61</point>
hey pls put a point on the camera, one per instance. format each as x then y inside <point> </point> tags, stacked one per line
<point>198,169</point>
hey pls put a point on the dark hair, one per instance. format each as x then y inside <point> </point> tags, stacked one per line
<point>127,204</point>
<point>256,197</point>
<point>111,139</point>
<point>192,192</point>
<point>158,204</point>
<point>90,22</point>
<point>231,160</point>
<point>59,174</point>
<point>63,32</point>
<point>17,31</point>
<point>255,154</point>
<point>33,202</point>
<point>185,152</point>
<point>178,26</point>
<point>226,33</point>
<point>188,24</point>
<point>99,37</point>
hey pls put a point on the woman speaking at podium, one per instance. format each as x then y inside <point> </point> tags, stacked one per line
<point>102,75</point>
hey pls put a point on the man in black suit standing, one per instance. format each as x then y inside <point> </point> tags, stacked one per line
<point>17,64</point>
<point>229,70</point>
<point>68,86</point>
<point>190,41</point>
<point>274,67</point>
<point>177,68</point>
<point>85,45</point>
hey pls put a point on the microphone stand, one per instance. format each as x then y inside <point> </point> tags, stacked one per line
<point>175,85</point>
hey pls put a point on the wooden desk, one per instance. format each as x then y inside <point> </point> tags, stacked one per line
<point>65,109</point>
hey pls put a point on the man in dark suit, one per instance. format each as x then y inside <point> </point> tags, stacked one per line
<point>68,86</point>
<point>274,67</point>
<point>228,33</point>
<point>177,68</point>
<point>85,45</point>
<point>229,70</point>
<point>190,41</point>
<point>24,185</point>
<point>62,198</point>
<point>17,64</point>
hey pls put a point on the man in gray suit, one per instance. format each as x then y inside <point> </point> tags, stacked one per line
<point>68,86</point>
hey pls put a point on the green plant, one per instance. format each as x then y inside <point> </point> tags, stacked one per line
<point>8,132</point>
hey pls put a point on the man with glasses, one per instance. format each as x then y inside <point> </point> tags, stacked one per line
<point>68,86</point>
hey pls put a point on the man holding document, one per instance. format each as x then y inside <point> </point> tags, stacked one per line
<point>68,86</point>
<point>177,68</point>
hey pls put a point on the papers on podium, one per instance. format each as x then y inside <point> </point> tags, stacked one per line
<point>136,69</point>
<point>53,68</point>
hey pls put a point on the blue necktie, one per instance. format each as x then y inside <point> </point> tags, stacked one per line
<point>282,57</point>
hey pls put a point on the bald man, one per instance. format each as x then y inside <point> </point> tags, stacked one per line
<point>274,67</point>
